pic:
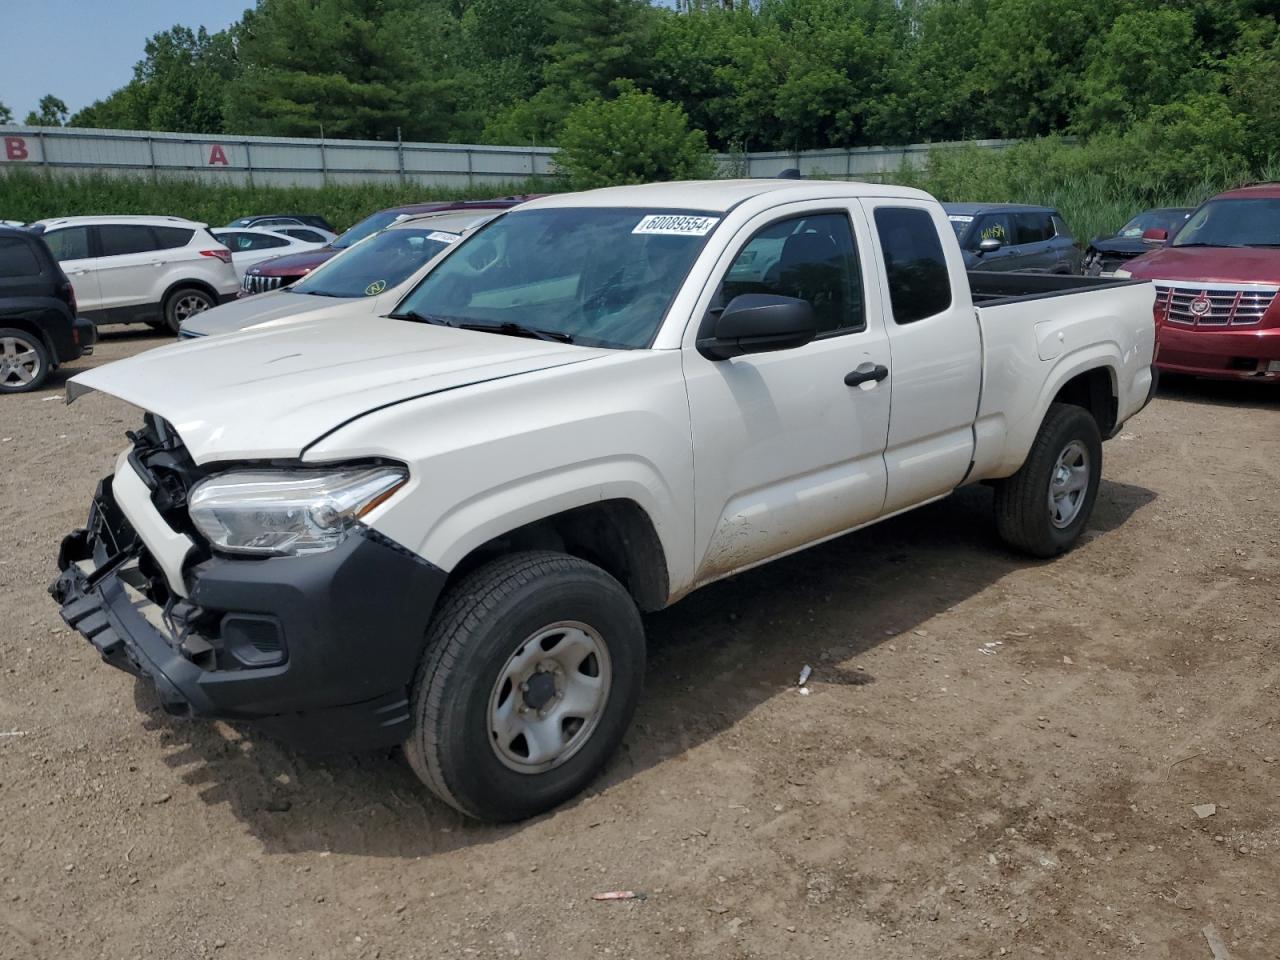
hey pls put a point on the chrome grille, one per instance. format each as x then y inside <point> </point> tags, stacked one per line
<point>259,284</point>
<point>1214,305</point>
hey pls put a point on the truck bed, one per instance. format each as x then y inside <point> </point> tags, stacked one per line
<point>990,288</point>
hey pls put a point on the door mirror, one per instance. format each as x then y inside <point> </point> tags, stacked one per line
<point>1155,235</point>
<point>758,323</point>
<point>989,245</point>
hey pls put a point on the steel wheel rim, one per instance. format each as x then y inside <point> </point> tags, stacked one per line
<point>189,306</point>
<point>19,362</point>
<point>1068,484</point>
<point>549,697</point>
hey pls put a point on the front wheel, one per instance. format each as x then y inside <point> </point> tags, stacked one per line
<point>24,361</point>
<point>533,668</point>
<point>1044,507</point>
<point>183,304</point>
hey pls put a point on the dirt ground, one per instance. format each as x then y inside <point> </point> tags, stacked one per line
<point>999,758</point>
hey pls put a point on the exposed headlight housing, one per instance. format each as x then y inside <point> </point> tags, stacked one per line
<point>288,512</point>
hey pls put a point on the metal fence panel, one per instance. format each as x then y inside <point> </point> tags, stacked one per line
<point>296,161</point>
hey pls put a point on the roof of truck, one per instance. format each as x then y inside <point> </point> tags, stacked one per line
<point>1254,191</point>
<point>720,195</point>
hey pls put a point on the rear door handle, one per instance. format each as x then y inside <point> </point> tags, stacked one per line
<point>856,377</point>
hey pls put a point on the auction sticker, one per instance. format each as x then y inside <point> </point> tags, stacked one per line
<point>441,237</point>
<point>675,224</point>
<point>960,218</point>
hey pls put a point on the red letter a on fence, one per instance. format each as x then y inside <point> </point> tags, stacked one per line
<point>218,155</point>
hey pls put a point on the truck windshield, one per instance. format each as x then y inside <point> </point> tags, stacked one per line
<point>377,264</point>
<point>1233,223</point>
<point>1151,220</point>
<point>599,276</point>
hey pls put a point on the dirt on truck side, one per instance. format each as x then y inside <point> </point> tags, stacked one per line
<point>995,757</point>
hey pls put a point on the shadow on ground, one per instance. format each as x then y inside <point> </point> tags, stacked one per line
<point>714,658</point>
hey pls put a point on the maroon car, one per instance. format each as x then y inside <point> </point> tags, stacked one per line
<point>1216,280</point>
<point>282,271</point>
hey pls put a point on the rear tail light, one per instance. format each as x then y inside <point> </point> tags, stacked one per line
<point>222,253</point>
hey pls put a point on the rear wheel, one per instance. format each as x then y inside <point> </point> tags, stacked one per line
<point>184,303</point>
<point>532,672</point>
<point>1044,507</point>
<point>24,361</point>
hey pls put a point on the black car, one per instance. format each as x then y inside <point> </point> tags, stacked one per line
<point>1107,254</point>
<point>39,329</point>
<point>1013,236</point>
<point>306,219</point>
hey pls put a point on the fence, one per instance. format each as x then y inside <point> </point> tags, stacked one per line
<point>293,161</point>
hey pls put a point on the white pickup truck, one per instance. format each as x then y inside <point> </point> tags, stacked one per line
<point>439,528</point>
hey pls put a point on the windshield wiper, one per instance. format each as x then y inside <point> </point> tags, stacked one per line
<point>417,317</point>
<point>510,329</point>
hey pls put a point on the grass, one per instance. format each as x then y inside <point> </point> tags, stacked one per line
<point>28,195</point>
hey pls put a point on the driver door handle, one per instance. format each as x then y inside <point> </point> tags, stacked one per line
<point>876,373</point>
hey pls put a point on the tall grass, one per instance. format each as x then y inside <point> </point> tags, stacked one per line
<point>1096,188</point>
<point>29,195</point>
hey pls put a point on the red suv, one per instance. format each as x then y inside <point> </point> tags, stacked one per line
<point>282,271</point>
<point>1216,284</point>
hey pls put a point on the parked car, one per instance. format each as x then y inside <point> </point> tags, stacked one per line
<point>1009,236</point>
<point>252,245</point>
<point>286,270</point>
<point>367,278</point>
<point>1105,255</point>
<point>1216,284</point>
<point>155,270</point>
<point>39,329</point>
<point>441,532</point>
<point>269,221</point>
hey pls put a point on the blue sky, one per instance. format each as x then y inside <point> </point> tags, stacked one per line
<point>81,50</point>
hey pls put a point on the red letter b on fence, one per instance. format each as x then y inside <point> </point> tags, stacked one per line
<point>15,148</point>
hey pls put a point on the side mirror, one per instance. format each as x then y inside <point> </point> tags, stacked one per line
<point>757,323</point>
<point>1155,235</point>
<point>989,245</point>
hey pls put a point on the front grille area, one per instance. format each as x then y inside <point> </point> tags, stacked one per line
<point>260,284</point>
<point>1214,305</point>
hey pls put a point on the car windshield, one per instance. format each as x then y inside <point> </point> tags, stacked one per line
<point>1151,220</point>
<point>1233,223</point>
<point>376,264</point>
<point>598,276</point>
<point>367,227</point>
<point>960,223</point>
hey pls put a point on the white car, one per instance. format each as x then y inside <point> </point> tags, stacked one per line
<point>155,270</point>
<point>367,278</point>
<point>250,245</point>
<point>440,530</point>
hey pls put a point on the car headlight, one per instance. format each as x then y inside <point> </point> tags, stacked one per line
<point>288,512</point>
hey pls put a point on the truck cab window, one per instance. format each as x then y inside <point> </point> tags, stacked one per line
<point>919,283</point>
<point>811,258</point>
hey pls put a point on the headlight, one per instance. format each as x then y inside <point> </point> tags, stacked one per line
<point>273,513</point>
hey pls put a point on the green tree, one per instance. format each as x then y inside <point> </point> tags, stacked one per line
<point>51,112</point>
<point>634,138</point>
<point>1143,60</point>
<point>6,115</point>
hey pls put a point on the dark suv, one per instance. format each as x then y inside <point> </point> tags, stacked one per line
<point>39,329</point>
<point>1011,236</point>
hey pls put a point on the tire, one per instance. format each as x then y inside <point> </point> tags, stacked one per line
<point>1033,513</point>
<point>500,622</point>
<point>183,303</point>
<point>24,361</point>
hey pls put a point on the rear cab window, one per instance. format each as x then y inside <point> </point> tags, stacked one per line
<point>915,263</point>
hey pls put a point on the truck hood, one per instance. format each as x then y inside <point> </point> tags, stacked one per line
<point>1211,264</point>
<point>271,392</point>
<point>293,264</point>
<point>266,307</point>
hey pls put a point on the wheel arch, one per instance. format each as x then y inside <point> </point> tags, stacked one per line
<point>27,325</point>
<point>201,285</point>
<point>616,534</point>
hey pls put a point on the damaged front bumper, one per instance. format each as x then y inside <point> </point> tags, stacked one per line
<point>320,649</point>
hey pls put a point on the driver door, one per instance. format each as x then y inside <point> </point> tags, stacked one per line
<point>786,452</point>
